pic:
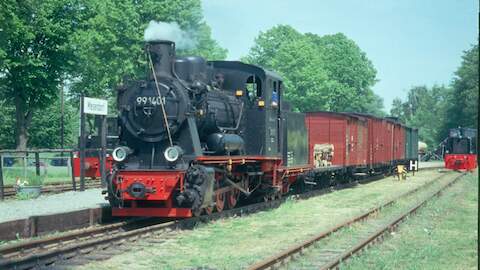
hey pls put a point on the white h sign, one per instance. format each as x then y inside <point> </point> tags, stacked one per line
<point>413,164</point>
<point>95,106</point>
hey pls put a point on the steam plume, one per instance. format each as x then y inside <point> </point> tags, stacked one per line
<point>169,31</point>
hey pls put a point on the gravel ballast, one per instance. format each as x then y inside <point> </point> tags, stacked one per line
<point>51,204</point>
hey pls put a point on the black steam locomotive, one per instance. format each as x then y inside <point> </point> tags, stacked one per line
<point>184,129</point>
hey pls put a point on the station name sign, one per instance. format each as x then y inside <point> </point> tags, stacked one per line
<point>95,106</point>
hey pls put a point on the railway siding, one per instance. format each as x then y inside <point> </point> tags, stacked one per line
<point>236,243</point>
<point>443,235</point>
<point>324,253</point>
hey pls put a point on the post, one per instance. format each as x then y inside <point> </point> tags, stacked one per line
<point>103,151</point>
<point>1,178</point>
<point>74,184</point>
<point>82,143</point>
<point>62,123</point>
<point>413,166</point>
<point>37,163</point>
<point>25,165</point>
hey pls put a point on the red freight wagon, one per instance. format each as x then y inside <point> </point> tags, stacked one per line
<point>344,135</point>
<point>380,140</point>
<point>92,166</point>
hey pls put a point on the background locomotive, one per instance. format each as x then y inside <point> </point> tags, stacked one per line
<point>198,136</point>
<point>460,149</point>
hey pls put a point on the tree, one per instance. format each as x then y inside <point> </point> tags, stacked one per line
<point>424,109</point>
<point>437,109</point>
<point>463,100</point>
<point>89,45</point>
<point>305,82</point>
<point>7,120</point>
<point>397,109</point>
<point>347,64</point>
<point>320,72</point>
<point>109,43</point>
<point>374,104</point>
<point>268,43</point>
<point>46,129</point>
<point>33,56</point>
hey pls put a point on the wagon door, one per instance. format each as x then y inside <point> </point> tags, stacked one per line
<point>353,147</point>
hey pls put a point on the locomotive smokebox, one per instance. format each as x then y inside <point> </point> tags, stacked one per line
<point>162,53</point>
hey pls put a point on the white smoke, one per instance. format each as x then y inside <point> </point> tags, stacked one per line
<point>169,31</point>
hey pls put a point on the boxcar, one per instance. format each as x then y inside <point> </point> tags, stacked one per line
<point>411,144</point>
<point>345,135</point>
<point>380,141</point>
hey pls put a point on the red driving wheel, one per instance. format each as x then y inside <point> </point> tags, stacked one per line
<point>208,210</point>
<point>219,200</point>
<point>232,198</point>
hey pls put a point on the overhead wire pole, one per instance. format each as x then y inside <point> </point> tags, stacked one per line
<point>103,151</point>
<point>62,123</point>
<point>1,179</point>
<point>82,142</point>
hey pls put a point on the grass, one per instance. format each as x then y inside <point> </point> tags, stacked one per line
<point>343,238</point>
<point>235,243</point>
<point>443,235</point>
<point>51,174</point>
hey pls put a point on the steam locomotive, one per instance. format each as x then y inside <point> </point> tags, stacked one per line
<point>460,149</point>
<point>198,136</point>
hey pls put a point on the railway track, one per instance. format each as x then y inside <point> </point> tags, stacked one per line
<point>10,191</point>
<point>329,256</point>
<point>95,243</point>
<point>66,248</point>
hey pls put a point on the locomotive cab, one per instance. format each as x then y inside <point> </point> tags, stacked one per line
<point>261,93</point>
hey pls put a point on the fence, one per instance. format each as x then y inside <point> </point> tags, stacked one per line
<point>53,165</point>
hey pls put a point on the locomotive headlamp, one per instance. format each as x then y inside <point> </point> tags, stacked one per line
<point>173,153</point>
<point>120,153</point>
<point>239,93</point>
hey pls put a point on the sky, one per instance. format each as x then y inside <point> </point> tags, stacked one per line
<point>410,42</point>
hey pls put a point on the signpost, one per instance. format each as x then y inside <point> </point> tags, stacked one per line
<point>97,107</point>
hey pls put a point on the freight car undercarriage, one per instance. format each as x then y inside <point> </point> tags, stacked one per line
<point>225,183</point>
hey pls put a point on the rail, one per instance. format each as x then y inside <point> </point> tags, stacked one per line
<point>279,260</point>
<point>40,252</point>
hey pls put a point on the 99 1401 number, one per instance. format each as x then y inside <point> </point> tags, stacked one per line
<point>153,101</point>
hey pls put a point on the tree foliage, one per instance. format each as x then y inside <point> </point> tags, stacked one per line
<point>425,110</point>
<point>45,127</point>
<point>109,42</point>
<point>437,109</point>
<point>321,72</point>
<point>463,100</point>
<point>33,56</point>
<point>89,45</point>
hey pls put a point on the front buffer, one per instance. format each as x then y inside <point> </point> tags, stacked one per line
<point>458,162</point>
<point>147,193</point>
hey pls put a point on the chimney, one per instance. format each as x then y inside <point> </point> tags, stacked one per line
<point>162,54</point>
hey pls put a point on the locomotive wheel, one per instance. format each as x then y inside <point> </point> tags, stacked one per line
<point>232,198</point>
<point>208,210</point>
<point>196,212</point>
<point>220,202</point>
